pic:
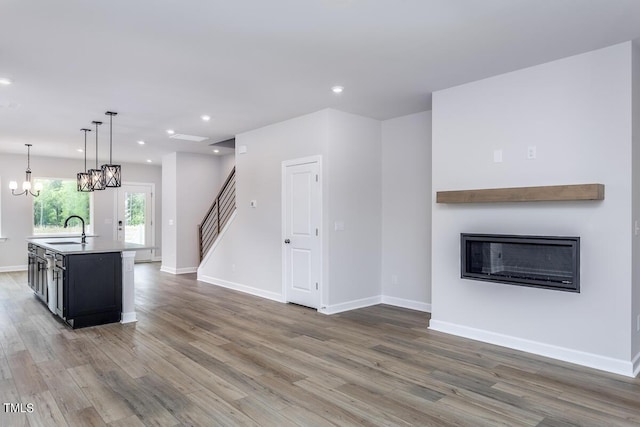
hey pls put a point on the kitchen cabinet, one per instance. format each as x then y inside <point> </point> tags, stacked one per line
<point>92,289</point>
<point>84,283</point>
<point>37,271</point>
<point>87,286</point>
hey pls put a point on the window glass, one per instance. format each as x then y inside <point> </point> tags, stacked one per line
<point>58,200</point>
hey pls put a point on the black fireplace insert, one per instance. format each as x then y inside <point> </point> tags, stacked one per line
<point>549,262</point>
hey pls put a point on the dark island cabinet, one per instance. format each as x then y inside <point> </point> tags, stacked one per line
<point>82,289</point>
<point>92,289</point>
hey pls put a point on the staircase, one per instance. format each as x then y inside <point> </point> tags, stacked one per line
<point>217,215</point>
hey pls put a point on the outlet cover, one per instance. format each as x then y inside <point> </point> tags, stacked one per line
<point>531,152</point>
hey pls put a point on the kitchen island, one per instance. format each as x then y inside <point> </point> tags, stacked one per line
<point>85,284</point>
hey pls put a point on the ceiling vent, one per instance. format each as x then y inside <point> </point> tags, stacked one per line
<point>188,137</point>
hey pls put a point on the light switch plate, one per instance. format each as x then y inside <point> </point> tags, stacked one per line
<point>497,156</point>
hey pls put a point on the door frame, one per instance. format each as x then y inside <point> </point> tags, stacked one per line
<point>294,162</point>
<point>116,213</point>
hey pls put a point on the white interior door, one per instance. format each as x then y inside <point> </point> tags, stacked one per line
<point>302,206</point>
<point>134,219</point>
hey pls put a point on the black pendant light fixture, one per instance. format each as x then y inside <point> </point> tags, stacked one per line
<point>26,185</point>
<point>97,178</point>
<point>110,172</point>
<point>84,177</point>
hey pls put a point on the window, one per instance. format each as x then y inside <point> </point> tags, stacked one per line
<point>58,200</point>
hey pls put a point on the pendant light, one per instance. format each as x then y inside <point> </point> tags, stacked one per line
<point>84,177</point>
<point>97,178</point>
<point>26,185</point>
<point>111,172</point>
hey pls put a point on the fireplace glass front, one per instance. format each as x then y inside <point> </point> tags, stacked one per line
<point>539,261</point>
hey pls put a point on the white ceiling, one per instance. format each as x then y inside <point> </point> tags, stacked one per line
<point>161,64</point>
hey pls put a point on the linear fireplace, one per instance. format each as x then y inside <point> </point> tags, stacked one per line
<point>538,261</point>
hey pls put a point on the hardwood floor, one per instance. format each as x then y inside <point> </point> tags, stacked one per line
<point>203,356</point>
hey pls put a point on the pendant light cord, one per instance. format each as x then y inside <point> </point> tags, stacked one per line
<point>97,124</point>
<point>85,147</point>
<point>110,138</point>
<point>111,114</point>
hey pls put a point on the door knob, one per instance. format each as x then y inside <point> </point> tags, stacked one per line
<point>287,241</point>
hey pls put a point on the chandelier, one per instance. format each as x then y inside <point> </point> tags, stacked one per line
<point>26,185</point>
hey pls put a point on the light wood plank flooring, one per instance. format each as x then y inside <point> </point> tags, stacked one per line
<point>205,356</point>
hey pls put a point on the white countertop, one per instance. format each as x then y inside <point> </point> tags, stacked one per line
<point>72,245</point>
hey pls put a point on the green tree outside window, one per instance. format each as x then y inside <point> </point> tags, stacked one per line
<point>58,200</point>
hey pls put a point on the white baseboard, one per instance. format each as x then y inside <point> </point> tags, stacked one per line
<point>156,258</point>
<point>591,360</point>
<point>129,317</point>
<point>10,268</point>
<point>242,288</point>
<point>406,303</point>
<point>172,270</point>
<point>350,305</point>
<point>635,363</point>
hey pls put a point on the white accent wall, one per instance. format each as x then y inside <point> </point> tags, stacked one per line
<point>635,320</point>
<point>577,112</point>
<point>406,211</point>
<point>190,182</point>
<point>17,212</point>
<point>249,257</point>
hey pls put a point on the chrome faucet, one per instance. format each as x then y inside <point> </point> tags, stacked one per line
<point>84,236</point>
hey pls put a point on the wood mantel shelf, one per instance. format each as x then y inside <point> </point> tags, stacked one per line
<point>524,194</point>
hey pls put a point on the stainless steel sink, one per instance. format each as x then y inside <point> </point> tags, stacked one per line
<point>63,243</point>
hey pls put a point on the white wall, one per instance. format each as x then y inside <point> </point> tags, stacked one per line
<point>249,256</point>
<point>17,212</point>
<point>352,184</point>
<point>577,111</point>
<point>169,210</point>
<point>191,183</point>
<point>227,163</point>
<point>406,211</point>
<point>635,311</point>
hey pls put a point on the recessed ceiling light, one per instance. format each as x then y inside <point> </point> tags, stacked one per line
<point>216,151</point>
<point>337,89</point>
<point>80,150</point>
<point>141,142</point>
<point>148,160</point>
<point>171,131</point>
<point>205,118</point>
<point>5,81</point>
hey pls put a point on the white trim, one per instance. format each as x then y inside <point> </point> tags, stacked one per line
<point>241,288</point>
<point>183,270</point>
<point>129,318</point>
<point>219,237</point>
<point>9,268</point>
<point>591,360</point>
<point>294,162</point>
<point>156,258</point>
<point>350,305</point>
<point>635,363</point>
<point>407,303</point>
<point>152,209</point>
